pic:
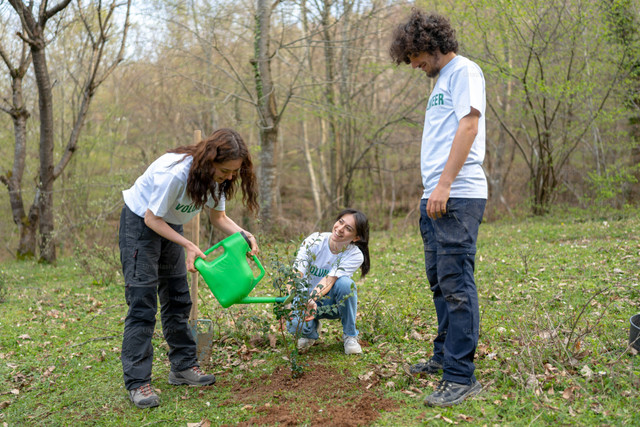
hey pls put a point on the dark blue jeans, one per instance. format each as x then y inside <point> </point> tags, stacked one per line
<point>153,268</point>
<point>449,253</point>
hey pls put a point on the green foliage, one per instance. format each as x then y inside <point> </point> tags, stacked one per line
<point>561,75</point>
<point>607,187</point>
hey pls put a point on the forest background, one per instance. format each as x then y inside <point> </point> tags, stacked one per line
<point>92,92</point>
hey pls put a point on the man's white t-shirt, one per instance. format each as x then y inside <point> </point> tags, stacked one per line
<point>162,189</point>
<point>315,260</point>
<point>459,87</point>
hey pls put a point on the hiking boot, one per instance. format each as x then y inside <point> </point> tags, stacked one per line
<point>305,344</point>
<point>449,393</point>
<point>191,376</point>
<point>430,367</point>
<point>351,345</point>
<point>144,397</point>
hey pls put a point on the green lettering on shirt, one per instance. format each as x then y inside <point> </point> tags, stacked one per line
<point>318,272</point>
<point>185,208</point>
<point>436,99</point>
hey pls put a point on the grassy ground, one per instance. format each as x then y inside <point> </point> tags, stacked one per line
<point>556,295</point>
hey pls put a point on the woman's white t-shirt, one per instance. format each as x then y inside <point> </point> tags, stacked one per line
<point>315,260</point>
<point>162,189</point>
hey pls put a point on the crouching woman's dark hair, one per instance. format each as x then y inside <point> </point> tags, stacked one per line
<point>362,233</point>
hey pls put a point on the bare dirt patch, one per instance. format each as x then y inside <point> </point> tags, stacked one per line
<point>322,396</point>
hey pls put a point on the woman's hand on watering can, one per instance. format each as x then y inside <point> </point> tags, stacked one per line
<point>254,244</point>
<point>312,309</point>
<point>193,252</point>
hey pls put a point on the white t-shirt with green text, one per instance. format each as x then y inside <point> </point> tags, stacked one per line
<point>162,189</point>
<point>460,86</point>
<point>315,260</point>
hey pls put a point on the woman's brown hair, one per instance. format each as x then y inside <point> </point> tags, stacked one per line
<point>221,146</point>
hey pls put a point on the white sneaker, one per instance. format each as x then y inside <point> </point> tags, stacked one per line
<point>304,344</point>
<point>351,345</point>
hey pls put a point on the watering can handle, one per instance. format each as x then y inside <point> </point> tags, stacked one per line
<point>217,245</point>
<point>255,258</point>
<point>259,264</point>
<point>212,248</point>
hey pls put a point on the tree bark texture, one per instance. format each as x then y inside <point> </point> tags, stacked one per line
<point>268,115</point>
<point>19,114</point>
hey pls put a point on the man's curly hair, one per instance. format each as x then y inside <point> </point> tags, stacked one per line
<point>422,33</point>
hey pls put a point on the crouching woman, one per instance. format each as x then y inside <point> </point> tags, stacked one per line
<point>326,262</point>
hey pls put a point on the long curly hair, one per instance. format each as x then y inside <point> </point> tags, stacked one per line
<point>422,33</point>
<point>219,147</point>
<point>362,232</point>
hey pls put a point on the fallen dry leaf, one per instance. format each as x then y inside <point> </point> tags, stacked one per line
<point>48,372</point>
<point>586,372</point>
<point>466,418</point>
<point>415,390</point>
<point>445,419</point>
<point>568,393</point>
<point>365,377</point>
<point>273,341</point>
<point>416,336</point>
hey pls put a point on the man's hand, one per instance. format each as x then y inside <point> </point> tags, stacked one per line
<point>460,148</point>
<point>437,203</point>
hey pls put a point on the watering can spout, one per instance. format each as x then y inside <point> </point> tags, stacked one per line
<point>261,300</point>
<point>229,276</point>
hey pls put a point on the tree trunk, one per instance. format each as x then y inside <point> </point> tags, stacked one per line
<point>345,144</point>
<point>330,99</point>
<point>27,225</point>
<point>268,116</point>
<point>315,188</point>
<point>44,200</point>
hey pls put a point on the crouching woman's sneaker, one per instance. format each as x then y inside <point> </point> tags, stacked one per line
<point>191,376</point>
<point>351,345</point>
<point>144,397</point>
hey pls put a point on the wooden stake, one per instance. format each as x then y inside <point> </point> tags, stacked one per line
<point>194,236</point>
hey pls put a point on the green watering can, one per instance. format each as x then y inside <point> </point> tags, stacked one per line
<point>230,276</point>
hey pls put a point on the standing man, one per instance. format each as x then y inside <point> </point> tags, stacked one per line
<point>455,194</point>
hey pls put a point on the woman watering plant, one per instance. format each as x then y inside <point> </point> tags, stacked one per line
<point>152,251</point>
<point>326,262</point>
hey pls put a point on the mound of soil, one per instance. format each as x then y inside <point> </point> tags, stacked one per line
<point>321,396</point>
